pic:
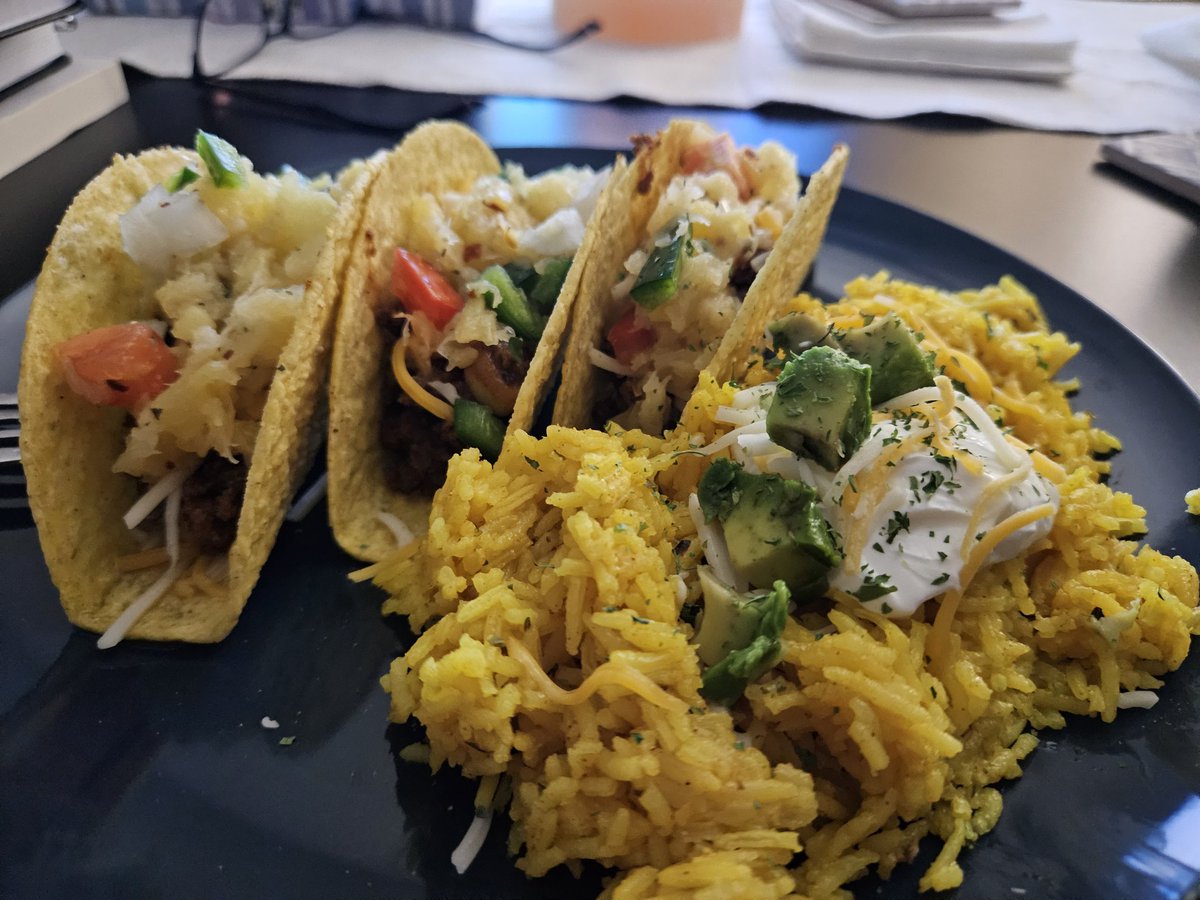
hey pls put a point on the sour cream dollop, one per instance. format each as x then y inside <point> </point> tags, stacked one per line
<point>921,513</point>
<point>932,482</point>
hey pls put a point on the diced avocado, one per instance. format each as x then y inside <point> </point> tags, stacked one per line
<point>719,489</point>
<point>726,679</point>
<point>888,346</point>
<point>544,293</point>
<point>796,332</point>
<point>773,528</point>
<point>658,281</point>
<point>822,406</point>
<point>730,620</point>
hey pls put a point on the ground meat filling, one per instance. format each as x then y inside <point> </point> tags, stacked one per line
<point>494,379</point>
<point>390,316</point>
<point>417,448</point>
<point>212,502</point>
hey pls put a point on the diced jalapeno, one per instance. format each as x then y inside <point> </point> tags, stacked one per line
<point>658,281</point>
<point>181,179</point>
<point>522,275</point>
<point>220,158</point>
<point>514,308</point>
<point>477,426</point>
<point>549,285</point>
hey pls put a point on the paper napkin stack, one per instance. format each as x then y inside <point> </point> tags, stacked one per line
<point>1019,43</point>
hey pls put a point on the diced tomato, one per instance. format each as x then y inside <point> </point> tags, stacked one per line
<point>118,365</point>
<point>629,337</point>
<point>422,288</point>
<point>719,155</point>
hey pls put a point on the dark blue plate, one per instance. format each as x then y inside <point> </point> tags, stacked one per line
<point>144,771</point>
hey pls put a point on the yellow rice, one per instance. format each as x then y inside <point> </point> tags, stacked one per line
<point>564,558</point>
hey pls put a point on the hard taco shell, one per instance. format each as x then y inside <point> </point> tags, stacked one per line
<point>634,198</point>
<point>68,445</point>
<point>435,158</point>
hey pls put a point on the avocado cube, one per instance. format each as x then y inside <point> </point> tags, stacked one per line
<point>796,332</point>
<point>888,346</point>
<point>739,638</point>
<point>822,406</point>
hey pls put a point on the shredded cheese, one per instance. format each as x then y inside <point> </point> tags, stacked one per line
<point>712,540</point>
<point>409,385</point>
<point>145,559</point>
<point>603,361</point>
<point>984,547</point>
<point>468,848</point>
<point>609,674</point>
<point>116,632</point>
<point>1136,699</point>
<point>396,526</point>
<point>305,502</point>
<point>155,495</point>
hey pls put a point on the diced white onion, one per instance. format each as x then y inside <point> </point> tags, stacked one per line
<point>559,235</point>
<point>448,391</point>
<point>305,502</point>
<point>464,854</point>
<point>1136,699</point>
<point>269,723</point>
<point>155,495</point>
<point>163,226</point>
<point>603,361</point>
<point>402,532</point>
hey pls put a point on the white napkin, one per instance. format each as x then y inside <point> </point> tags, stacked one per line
<point>1118,87</point>
<point>1024,48</point>
<point>1177,43</point>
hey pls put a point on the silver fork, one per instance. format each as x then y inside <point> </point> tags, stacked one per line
<point>13,497</point>
<point>10,429</point>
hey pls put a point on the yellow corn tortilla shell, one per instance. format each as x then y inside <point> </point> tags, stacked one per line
<point>634,195</point>
<point>435,158</point>
<point>633,202</point>
<point>787,265</point>
<point>68,446</point>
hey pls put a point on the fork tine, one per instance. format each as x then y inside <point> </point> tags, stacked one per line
<point>8,407</point>
<point>9,413</point>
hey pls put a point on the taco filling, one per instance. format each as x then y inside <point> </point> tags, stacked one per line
<point>225,254</point>
<point>708,236</point>
<point>469,297</point>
